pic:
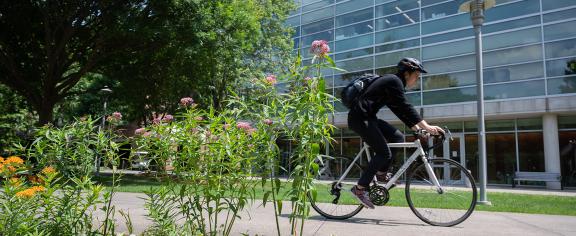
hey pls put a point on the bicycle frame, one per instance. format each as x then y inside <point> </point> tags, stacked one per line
<point>418,153</point>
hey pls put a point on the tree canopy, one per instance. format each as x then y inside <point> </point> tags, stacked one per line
<point>149,52</point>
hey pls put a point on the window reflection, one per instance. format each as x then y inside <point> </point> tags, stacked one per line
<point>450,64</point>
<point>398,45</point>
<point>356,64</point>
<point>513,55</point>
<point>449,80</point>
<point>515,72</point>
<point>515,38</point>
<point>512,10</point>
<point>449,96</point>
<point>317,15</point>
<point>410,17</point>
<point>388,59</point>
<point>549,5</point>
<point>354,30</point>
<point>510,90</point>
<point>317,26</point>
<point>356,42</point>
<point>448,49</point>
<point>561,48</point>
<point>560,31</point>
<point>354,17</point>
<point>440,10</point>
<point>562,85</point>
<point>397,34</point>
<point>561,67</point>
<point>317,5</point>
<point>355,53</point>
<point>326,35</point>
<point>398,6</point>
<point>353,5</point>
<point>344,79</point>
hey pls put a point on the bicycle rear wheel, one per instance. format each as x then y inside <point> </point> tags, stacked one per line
<point>446,207</point>
<point>333,200</point>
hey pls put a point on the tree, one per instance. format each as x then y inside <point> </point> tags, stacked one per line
<point>164,49</point>
<point>47,46</point>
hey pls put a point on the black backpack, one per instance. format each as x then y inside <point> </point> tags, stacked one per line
<point>354,89</point>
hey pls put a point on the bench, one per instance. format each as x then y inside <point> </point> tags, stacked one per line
<point>537,176</point>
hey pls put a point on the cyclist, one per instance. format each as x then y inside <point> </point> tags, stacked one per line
<point>387,90</point>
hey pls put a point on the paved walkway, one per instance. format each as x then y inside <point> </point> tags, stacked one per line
<point>381,221</point>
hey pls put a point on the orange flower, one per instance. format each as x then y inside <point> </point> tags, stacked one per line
<point>48,170</point>
<point>11,169</point>
<point>1,160</point>
<point>26,193</point>
<point>14,160</point>
<point>30,192</point>
<point>35,179</point>
<point>15,181</point>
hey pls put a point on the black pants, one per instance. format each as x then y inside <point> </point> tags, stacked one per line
<point>377,133</point>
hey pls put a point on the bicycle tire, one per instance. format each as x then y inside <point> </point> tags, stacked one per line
<point>346,206</point>
<point>430,200</point>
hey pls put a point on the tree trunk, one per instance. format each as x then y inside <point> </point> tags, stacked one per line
<point>45,112</point>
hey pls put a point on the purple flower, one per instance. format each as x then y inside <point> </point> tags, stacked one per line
<point>271,79</point>
<point>186,101</point>
<point>244,125</point>
<point>167,118</point>
<point>320,48</point>
<point>268,122</point>
<point>115,117</point>
<point>140,131</point>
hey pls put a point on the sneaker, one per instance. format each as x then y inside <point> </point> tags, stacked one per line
<point>384,178</point>
<point>362,196</point>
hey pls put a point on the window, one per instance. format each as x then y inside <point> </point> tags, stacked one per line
<point>355,42</point>
<point>511,90</point>
<point>513,24</point>
<point>354,30</point>
<point>293,21</point>
<point>448,49</point>
<point>357,16</point>
<point>448,23</point>
<point>318,15</point>
<point>449,96</point>
<point>391,21</point>
<point>567,143</point>
<point>449,80</point>
<point>548,5</point>
<point>450,64</point>
<point>394,7</point>
<point>356,64</point>
<point>567,122</point>
<point>398,45</point>
<point>414,98</point>
<point>499,125</point>
<point>529,124</point>
<point>515,38</point>
<point>500,157</point>
<point>513,55</point>
<point>440,10</point>
<point>397,34</point>
<point>317,26</point>
<point>531,151</point>
<point>355,53</point>
<point>326,35</point>
<point>560,15</point>
<point>344,79</point>
<point>566,66</point>
<point>560,31</point>
<point>389,59</point>
<point>515,72</point>
<point>353,5</point>
<point>561,48</point>
<point>317,5</point>
<point>512,10</point>
<point>448,36</point>
<point>562,85</point>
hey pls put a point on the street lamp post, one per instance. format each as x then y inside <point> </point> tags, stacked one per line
<point>105,92</point>
<point>476,9</point>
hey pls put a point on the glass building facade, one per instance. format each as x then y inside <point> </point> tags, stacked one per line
<point>529,49</point>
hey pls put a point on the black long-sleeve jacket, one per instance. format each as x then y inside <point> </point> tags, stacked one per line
<point>388,90</point>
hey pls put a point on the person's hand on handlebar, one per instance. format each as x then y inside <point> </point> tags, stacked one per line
<point>432,129</point>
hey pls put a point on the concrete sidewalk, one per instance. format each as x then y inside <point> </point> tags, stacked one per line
<point>258,220</point>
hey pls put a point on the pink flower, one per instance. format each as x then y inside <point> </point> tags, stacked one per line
<point>226,126</point>
<point>140,131</point>
<point>167,118</point>
<point>320,48</point>
<point>115,117</point>
<point>199,118</point>
<point>268,122</point>
<point>271,79</point>
<point>156,120</point>
<point>244,125</point>
<point>147,134</point>
<point>186,101</point>
<point>307,79</point>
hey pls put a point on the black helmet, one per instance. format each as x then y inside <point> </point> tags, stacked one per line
<point>410,64</point>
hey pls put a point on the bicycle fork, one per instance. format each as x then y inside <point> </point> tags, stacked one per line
<point>431,174</point>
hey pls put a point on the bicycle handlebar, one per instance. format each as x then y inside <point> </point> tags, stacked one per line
<point>423,133</point>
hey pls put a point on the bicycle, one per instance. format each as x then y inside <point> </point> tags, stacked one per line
<point>440,192</point>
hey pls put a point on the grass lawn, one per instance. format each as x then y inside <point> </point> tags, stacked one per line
<point>501,202</point>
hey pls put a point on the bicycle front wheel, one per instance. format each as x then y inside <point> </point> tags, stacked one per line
<point>448,206</point>
<point>334,200</point>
